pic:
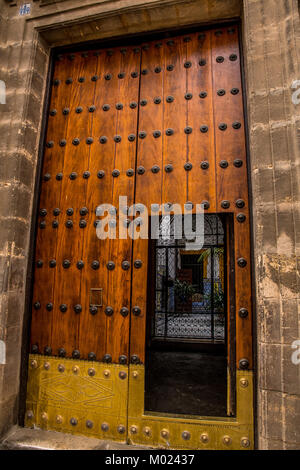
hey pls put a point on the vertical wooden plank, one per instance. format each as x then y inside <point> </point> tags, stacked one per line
<point>65,332</point>
<point>231,174</point>
<point>43,292</point>
<point>99,191</point>
<point>120,250</point>
<point>152,104</point>
<point>201,144</point>
<point>174,183</point>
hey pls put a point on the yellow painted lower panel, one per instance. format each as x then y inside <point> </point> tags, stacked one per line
<point>180,432</point>
<point>78,397</point>
<point>91,398</point>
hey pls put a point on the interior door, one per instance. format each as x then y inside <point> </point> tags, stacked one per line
<point>78,367</point>
<point>190,384</point>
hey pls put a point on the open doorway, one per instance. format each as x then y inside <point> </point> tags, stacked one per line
<point>187,367</point>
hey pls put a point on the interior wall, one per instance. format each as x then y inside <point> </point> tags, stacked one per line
<point>271,51</point>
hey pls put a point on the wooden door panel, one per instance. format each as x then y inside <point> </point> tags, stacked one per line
<point>44,275</point>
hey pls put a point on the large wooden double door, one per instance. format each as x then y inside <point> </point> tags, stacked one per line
<point>161,122</point>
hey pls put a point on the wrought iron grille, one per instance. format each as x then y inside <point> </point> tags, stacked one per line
<point>189,285</point>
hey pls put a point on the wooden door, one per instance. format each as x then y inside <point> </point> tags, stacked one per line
<point>160,123</point>
<point>82,286</point>
<point>193,150</point>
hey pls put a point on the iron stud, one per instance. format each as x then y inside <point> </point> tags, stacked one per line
<point>124,312</point>
<point>77,308</point>
<point>155,169</point>
<point>134,359</point>
<point>62,352</point>
<point>95,265</point>
<point>243,313</point>
<point>109,311</point>
<point>66,263</point>
<point>238,163</point>
<point>69,224</point>
<point>241,218</point>
<point>125,265</point>
<point>93,309</point>
<point>225,204</point>
<point>47,350</point>
<point>76,354</point>
<point>107,358</point>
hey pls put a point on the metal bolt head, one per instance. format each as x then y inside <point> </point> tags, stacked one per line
<point>91,372</point>
<point>121,429</point>
<point>33,364</point>
<point>59,419</point>
<point>122,375</point>
<point>204,438</point>
<point>186,435</point>
<point>61,368</point>
<point>244,382</point>
<point>244,364</point>
<point>89,424</point>
<point>44,416</point>
<point>245,442</point>
<point>164,433</point>
<point>133,429</point>
<point>147,431</point>
<point>104,427</point>
<point>47,365</point>
<point>29,414</point>
<point>227,440</point>
<point>135,374</point>
<point>75,370</point>
<point>106,373</point>
<point>73,421</point>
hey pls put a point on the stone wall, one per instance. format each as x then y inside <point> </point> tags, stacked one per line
<point>271,50</point>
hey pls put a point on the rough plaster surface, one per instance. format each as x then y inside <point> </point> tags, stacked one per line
<point>271,43</point>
